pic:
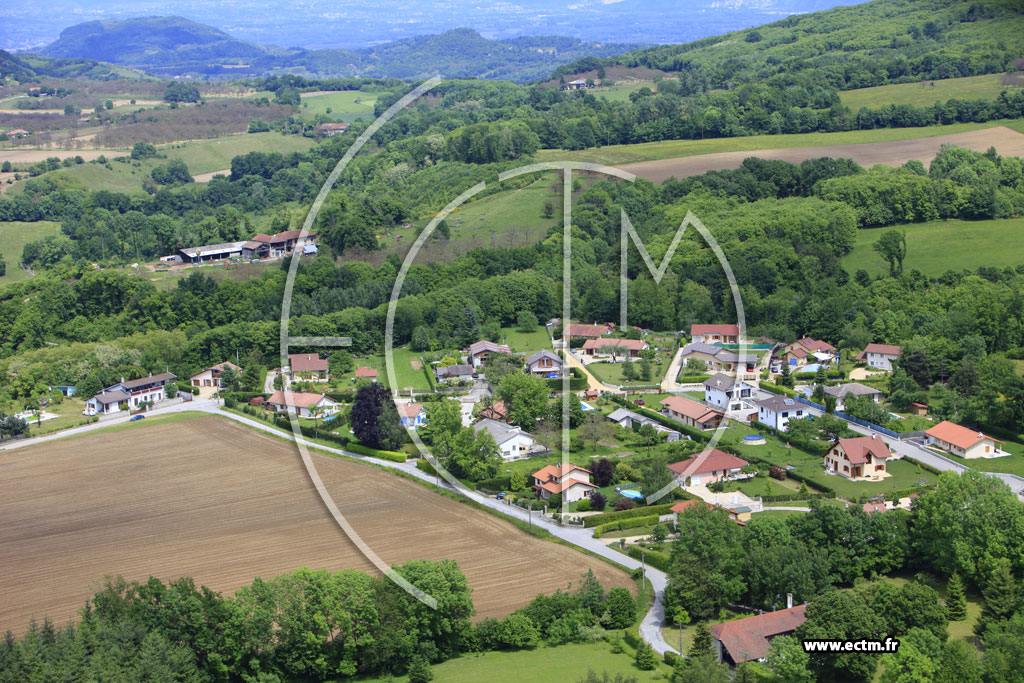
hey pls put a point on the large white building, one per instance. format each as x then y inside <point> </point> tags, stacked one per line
<point>777,411</point>
<point>512,441</point>
<point>133,394</point>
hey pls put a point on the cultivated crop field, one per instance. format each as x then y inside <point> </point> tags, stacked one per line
<point>221,503</point>
<point>1007,142</point>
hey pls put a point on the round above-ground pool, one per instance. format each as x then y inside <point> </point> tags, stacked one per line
<point>754,440</point>
<point>632,494</point>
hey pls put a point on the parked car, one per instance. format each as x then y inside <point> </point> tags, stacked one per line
<point>133,418</point>
<point>501,495</point>
<point>639,401</point>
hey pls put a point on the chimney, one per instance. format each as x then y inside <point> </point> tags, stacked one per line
<point>789,601</point>
<point>122,379</point>
<point>873,436</point>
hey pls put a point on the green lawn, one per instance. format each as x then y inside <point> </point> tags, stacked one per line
<point>204,156</point>
<point>1011,464</point>
<point>526,342</point>
<point>405,374</point>
<point>670,149</point>
<point>13,238</point>
<point>938,246</point>
<point>621,90</point>
<point>563,663</point>
<point>611,373</point>
<point>783,514</point>
<point>345,105</point>
<point>516,215</point>
<point>926,93</point>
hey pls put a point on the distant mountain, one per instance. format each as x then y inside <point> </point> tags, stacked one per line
<point>29,67</point>
<point>168,46</point>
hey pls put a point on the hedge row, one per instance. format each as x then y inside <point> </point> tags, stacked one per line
<point>577,381</point>
<point>682,378</point>
<point>777,389</point>
<point>606,517</point>
<point>424,466</point>
<point>393,456</point>
<point>785,497</point>
<point>924,466</point>
<point>242,396</point>
<point>829,374</point>
<point>625,524</point>
<point>494,484</point>
<point>656,559</point>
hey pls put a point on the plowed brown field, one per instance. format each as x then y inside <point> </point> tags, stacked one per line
<point>222,503</point>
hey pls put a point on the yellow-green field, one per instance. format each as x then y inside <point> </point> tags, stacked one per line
<point>13,238</point>
<point>670,149</point>
<point>345,105</point>
<point>926,93</point>
<point>938,246</point>
<point>621,90</point>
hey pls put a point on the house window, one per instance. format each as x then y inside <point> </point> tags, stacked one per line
<point>845,468</point>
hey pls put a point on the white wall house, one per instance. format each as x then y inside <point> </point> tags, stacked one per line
<point>512,441</point>
<point>777,411</point>
<point>880,356</point>
<point>725,393</point>
<point>302,403</point>
<point>964,442</point>
<point>572,482</point>
<point>134,393</point>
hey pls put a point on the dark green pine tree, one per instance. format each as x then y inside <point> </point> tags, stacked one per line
<point>702,642</point>
<point>1001,593</point>
<point>956,598</point>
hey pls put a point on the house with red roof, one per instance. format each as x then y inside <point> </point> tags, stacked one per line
<point>707,468</point>
<point>807,350</point>
<point>964,442</point>
<point>572,482</point>
<point>366,373</point>
<point>307,366</point>
<point>873,507</point>
<point>863,457</point>
<point>749,639</point>
<point>691,413</point>
<point>880,356</point>
<point>621,348</point>
<point>302,403</point>
<point>578,330</point>
<point>715,334</point>
<point>495,411</point>
<point>210,377</point>
<point>740,515</point>
<point>411,414</point>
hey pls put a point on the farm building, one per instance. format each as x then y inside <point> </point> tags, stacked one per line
<point>572,482</point>
<point>211,252</point>
<point>210,377</point>
<point>967,443</point>
<point>279,245</point>
<point>330,129</point>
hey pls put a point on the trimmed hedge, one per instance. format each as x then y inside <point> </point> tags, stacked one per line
<point>494,484</point>
<point>341,396</point>
<point>777,389</point>
<point>577,381</point>
<point>393,456</point>
<point>606,517</point>
<point>241,396</point>
<point>692,379</point>
<point>656,559</point>
<point>424,465</point>
<point>625,524</point>
<point>924,466</point>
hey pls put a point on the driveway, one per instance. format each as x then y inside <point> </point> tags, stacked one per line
<point>592,381</point>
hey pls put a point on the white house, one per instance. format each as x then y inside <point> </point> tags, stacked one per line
<point>512,441</point>
<point>704,469</point>
<point>572,482</point>
<point>880,356</point>
<point>964,442</point>
<point>134,393</point>
<point>210,377</point>
<point>627,419</point>
<point>726,393</point>
<point>544,362</point>
<point>712,334</point>
<point>412,414</point>
<point>777,411</point>
<point>302,403</point>
<point>841,391</point>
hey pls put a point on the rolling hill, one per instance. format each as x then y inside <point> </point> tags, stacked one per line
<point>169,46</point>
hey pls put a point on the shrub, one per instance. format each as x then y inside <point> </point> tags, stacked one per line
<point>624,504</point>
<point>597,502</point>
<point>583,505</point>
<point>393,456</point>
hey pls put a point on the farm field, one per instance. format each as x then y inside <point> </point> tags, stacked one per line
<point>213,500</point>
<point>203,156</point>
<point>13,238</point>
<point>620,91</point>
<point>346,105</point>
<point>927,93</point>
<point>616,155</point>
<point>938,246</point>
<point>1007,142</point>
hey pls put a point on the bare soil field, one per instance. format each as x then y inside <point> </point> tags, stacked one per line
<point>207,177</point>
<point>1007,142</point>
<point>224,504</point>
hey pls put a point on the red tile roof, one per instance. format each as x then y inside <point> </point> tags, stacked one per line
<point>484,345</point>
<point>712,461</point>
<point>299,399</point>
<point>957,434</point>
<point>558,471</point>
<point>366,372</point>
<point>629,344</point>
<point>578,330</point>
<point>857,450</point>
<point>874,507</point>
<point>733,330</point>
<point>307,362</point>
<point>815,345</point>
<point>409,409</point>
<point>747,639</point>
<point>690,408</point>
<point>685,505</point>
<point>887,349</point>
<point>496,411</point>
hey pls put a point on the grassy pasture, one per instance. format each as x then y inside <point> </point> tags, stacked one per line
<point>13,238</point>
<point>345,105</point>
<point>926,93</point>
<point>938,246</point>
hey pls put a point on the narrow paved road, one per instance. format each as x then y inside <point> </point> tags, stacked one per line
<point>650,627</point>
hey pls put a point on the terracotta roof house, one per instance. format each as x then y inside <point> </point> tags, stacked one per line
<point>862,457</point>
<point>210,377</point>
<point>691,413</point>
<point>748,639</point>
<point>706,468</point>
<point>307,365</point>
<point>572,482</point>
<point>880,356</point>
<point>623,347</point>
<point>711,334</point>
<point>412,414</point>
<point>302,403</point>
<point>964,442</point>
<point>802,350</point>
<point>495,411</point>
<point>590,331</point>
<point>281,244</point>
<point>480,350</point>
<point>734,515</point>
<point>872,508</point>
<point>330,129</point>
<point>368,373</point>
